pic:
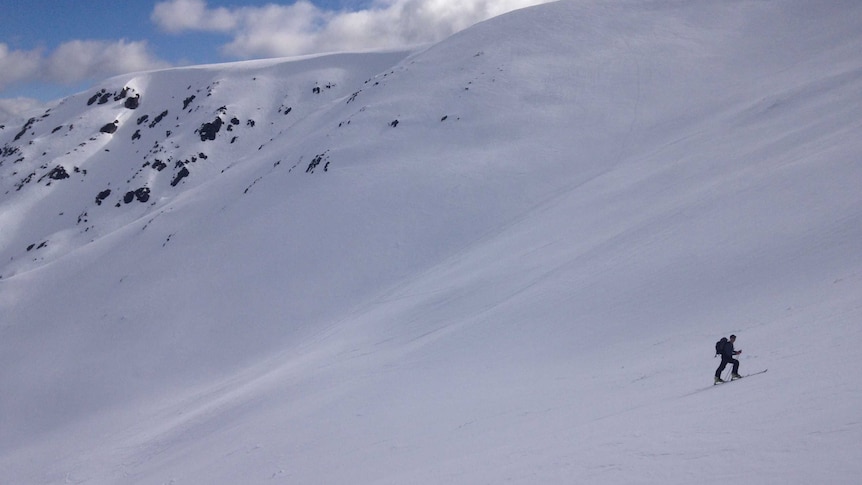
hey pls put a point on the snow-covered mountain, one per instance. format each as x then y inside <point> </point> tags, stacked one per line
<point>503,258</point>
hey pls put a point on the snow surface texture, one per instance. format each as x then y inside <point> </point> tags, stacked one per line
<point>501,259</point>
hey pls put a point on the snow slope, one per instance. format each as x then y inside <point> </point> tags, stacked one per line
<point>502,258</point>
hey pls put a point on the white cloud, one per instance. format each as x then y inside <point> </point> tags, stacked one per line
<point>75,61</point>
<point>275,30</point>
<point>179,15</point>
<point>303,28</point>
<point>89,59</point>
<point>267,31</point>
<point>14,109</point>
<point>18,66</point>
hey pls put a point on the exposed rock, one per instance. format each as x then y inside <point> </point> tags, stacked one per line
<point>58,173</point>
<point>158,118</point>
<point>110,127</point>
<point>316,161</point>
<point>102,196</point>
<point>183,173</point>
<point>142,194</point>
<point>188,101</point>
<point>208,131</point>
<point>133,103</point>
<point>24,129</point>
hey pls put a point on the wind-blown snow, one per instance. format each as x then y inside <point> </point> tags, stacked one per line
<point>504,258</point>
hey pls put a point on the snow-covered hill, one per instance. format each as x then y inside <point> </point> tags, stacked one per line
<point>503,258</point>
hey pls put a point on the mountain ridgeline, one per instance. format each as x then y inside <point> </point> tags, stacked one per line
<point>103,158</point>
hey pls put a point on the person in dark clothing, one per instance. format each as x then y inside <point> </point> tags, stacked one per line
<point>727,354</point>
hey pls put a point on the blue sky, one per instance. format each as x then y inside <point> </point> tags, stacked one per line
<point>53,48</point>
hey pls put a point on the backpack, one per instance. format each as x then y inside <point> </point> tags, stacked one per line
<point>719,346</point>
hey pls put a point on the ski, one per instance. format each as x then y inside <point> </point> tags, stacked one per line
<point>743,377</point>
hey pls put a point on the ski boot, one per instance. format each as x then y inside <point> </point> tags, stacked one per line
<point>718,380</point>
<point>735,377</point>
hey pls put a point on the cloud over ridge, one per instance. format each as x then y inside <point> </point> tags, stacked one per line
<point>304,28</point>
<point>245,32</point>
<point>75,60</point>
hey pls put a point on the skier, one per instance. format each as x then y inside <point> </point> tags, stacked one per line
<point>727,354</point>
